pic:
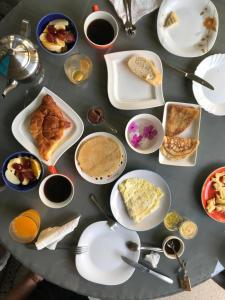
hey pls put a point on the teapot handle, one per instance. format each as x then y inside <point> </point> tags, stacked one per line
<point>25,28</point>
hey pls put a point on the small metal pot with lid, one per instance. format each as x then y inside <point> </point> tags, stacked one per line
<point>22,58</point>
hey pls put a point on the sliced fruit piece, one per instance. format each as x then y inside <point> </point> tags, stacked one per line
<point>25,181</point>
<point>16,160</point>
<point>50,46</point>
<point>59,23</point>
<point>11,177</point>
<point>35,167</point>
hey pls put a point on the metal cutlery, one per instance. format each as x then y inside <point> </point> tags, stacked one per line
<point>134,247</point>
<point>185,281</point>
<point>142,268</point>
<point>110,221</point>
<point>191,76</point>
<point>78,250</point>
<point>129,27</point>
<point>81,249</point>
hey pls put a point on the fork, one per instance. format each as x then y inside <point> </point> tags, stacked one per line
<point>132,29</point>
<point>81,249</point>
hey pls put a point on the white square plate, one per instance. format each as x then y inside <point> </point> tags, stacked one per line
<point>192,131</point>
<point>71,135</point>
<point>126,90</point>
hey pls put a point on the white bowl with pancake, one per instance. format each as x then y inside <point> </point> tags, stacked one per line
<point>100,158</point>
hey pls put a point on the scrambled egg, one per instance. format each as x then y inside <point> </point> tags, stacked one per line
<point>141,197</point>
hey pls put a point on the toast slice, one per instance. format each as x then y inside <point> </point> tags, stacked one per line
<point>145,69</point>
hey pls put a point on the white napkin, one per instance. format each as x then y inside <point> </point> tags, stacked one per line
<point>153,258</point>
<point>49,237</point>
<point>139,8</point>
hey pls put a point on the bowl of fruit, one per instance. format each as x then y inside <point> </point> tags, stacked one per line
<point>22,171</point>
<point>56,34</point>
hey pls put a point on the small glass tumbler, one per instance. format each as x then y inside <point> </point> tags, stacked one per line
<point>78,68</point>
<point>24,228</point>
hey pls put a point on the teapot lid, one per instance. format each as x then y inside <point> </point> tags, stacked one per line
<point>23,57</point>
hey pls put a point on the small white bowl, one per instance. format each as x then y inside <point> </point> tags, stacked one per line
<point>146,146</point>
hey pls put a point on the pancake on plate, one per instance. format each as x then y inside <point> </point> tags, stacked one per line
<point>100,156</point>
<point>140,197</point>
<point>177,148</point>
<point>179,118</point>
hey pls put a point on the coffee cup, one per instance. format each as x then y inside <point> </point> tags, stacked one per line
<point>56,190</point>
<point>100,29</point>
<point>178,246</point>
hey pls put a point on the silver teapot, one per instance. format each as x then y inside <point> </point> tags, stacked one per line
<point>23,59</point>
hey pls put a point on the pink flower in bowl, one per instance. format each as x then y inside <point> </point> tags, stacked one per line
<point>136,140</point>
<point>132,127</point>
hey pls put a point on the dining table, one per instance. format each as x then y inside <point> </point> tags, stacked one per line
<point>58,266</point>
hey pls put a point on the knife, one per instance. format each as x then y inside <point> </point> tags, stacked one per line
<point>145,269</point>
<point>192,76</point>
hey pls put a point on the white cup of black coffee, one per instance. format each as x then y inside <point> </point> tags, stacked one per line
<point>56,191</point>
<point>101,29</point>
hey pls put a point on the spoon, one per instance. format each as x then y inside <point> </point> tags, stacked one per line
<point>134,247</point>
<point>171,245</point>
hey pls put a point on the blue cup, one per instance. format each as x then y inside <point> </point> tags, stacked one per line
<point>45,21</point>
<point>19,187</point>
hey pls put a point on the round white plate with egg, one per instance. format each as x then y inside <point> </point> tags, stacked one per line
<point>189,35</point>
<point>212,69</point>
<point>102,263</point>
<point>152,220</point>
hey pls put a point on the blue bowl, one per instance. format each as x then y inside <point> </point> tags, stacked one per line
<point>20,187</point>
<point>51,17</point>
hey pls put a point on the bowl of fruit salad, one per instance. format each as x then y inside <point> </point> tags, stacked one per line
<point>56,34</point>
<point>22,171</point>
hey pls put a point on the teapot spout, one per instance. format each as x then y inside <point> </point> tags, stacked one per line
<point>12,84</point>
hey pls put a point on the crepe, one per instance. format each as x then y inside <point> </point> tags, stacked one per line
<point>100,157</point>
<point>179,118</point>
<point>176,148</point>
<point>47,125</point>
<point>140,197</point>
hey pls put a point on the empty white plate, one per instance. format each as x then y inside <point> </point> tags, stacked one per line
<point>212,69</point>
<point>119,210</point>
<point>102,262</point>
<point>20,127</point>
<point>126,90</point>
<point>189,37</point>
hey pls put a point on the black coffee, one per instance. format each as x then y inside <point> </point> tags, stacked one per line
<point>57,188</point>
<point>100,32</point>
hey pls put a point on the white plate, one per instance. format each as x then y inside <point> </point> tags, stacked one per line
<point>103,180</point>
<point>187,38</point>
<point>212,69</point>
<point>102,262</point>
<point>192,131</point>
<point>125,89</point>
<point>119,210</point>
<point>71,135</point>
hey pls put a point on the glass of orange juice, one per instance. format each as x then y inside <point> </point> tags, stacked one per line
<point>25,227</point>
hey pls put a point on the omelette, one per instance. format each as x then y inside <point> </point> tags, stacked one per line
<point>140,197</point>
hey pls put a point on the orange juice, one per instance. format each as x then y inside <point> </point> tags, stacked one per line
<point>25,227</point>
